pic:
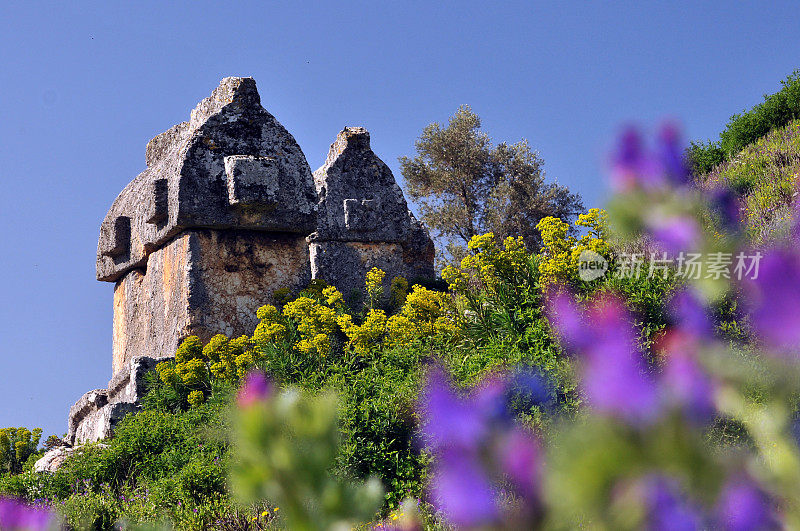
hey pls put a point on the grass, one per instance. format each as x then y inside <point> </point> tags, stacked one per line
<point>764,174</point>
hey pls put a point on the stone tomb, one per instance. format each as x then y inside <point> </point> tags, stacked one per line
<point>226,213</point>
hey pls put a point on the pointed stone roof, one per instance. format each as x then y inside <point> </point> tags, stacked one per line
<point>232,165</point>
<point>359,197</point>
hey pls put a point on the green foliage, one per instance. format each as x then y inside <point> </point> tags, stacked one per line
<point>285,447</point>
<point>16,446</point>
<point>91,511</point>
<point>703,157</point>
<point>466,186</point>
<point>170,462</point>
<point>743,129</point>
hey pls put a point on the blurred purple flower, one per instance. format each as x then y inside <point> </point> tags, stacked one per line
<point>633,165</point>
<point>256,387</point>
<point>448,419</point>
<point>689,315</point>
<point>470,435</point>
<point>670,153</point>
<point>726,204</point>
<point>685,382</point>
<point>461,490</point>
<point>744,507</point>
<point>529,387</point>
<point>567,317</point>
<point>520,460</point>
<point>774,299</point>
<point>614,375</point>
<point>675,234</point>
<point>668,510</point>
<point>16,515</point>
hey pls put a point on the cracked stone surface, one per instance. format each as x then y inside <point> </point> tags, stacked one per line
<point>95,415</point>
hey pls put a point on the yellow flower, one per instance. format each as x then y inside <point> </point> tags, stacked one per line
<point>195,398</point>
<point>374,284</point>
<point>369,334</point>
<point>333,297</point>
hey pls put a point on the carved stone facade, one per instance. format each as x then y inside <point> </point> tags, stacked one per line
<point>226,213</point>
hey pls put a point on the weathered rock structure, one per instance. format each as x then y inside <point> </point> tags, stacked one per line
<point>226,213</point>
<point>363,220</point>
<point>217,221</point>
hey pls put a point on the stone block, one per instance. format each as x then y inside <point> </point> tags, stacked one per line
<point>345,264</point>
<point>359,199</point>
<point>204,282</point>
<point>252,181</point>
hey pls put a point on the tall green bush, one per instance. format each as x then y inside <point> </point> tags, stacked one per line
<point>16,446</point>
<point>743,129</point>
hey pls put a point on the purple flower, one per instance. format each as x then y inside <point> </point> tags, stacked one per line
<point>726,204</point>
<point>668,510</point>
<point>567,317</point>
<point>256,387</point>
<point>529,387</point>
<point>686,384</point>
<point>689,315</point>
<point>774,297</point>
<point>461,490</point>
<point>15,515</point>
<point>520,460</point>
<point>470,435</point>
<point>675,234</point>
<point>670,153</point>
<point>447,418</point>
<point>614,375</point>
<point>743,506</point>
<point>634,166</point>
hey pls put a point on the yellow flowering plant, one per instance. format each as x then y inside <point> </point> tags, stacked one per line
<point>494,285</point>
<point>191,373</point>
<point>374,285</point>
<point>425,314</point>
<point>561,251</point>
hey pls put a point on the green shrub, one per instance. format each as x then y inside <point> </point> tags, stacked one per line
<point>16,446</point>
<point>91,511</point>
<point>743,129</point>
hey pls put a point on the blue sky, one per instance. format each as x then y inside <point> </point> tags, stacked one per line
<point>84,89</point>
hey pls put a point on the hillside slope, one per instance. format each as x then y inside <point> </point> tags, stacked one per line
<point>764,174</point>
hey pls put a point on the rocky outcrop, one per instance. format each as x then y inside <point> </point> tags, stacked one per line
<point>55,457</point>
<point>95,415</point>
<point>363,219</point>
<point>220,220</point>
<point>226,213</point>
